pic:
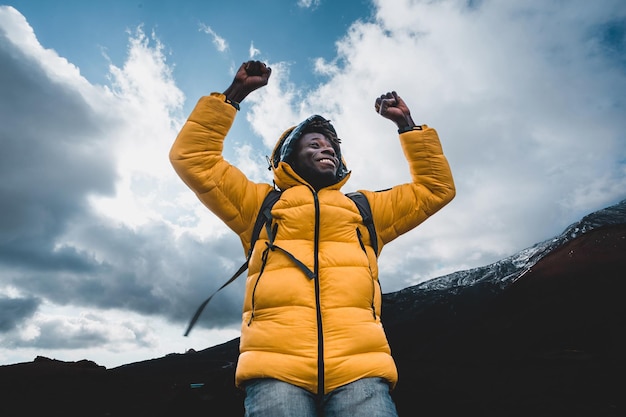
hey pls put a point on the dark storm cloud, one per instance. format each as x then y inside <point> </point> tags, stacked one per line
<point>611,39</point>
<point>53,155</point>
<point>144,270</point>
<point>52,336</point>
<point>15,310</point>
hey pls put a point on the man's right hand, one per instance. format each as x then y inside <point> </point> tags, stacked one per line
<point>392,107</point>
<point>250,76</point>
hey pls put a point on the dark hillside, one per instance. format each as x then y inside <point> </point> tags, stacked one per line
<point>550,344</point>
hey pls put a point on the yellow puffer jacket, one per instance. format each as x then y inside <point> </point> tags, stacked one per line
<point>319,331</point>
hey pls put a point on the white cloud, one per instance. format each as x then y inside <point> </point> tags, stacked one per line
<point>220,43</point>
<point>148,104</point>
<point>111,337</point>
<point>253,52</point>
<point>308,4</point>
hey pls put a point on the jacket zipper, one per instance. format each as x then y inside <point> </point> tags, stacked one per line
<point>316,270</point>
<point>311,275</point>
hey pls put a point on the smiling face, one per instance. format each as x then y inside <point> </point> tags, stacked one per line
<point>315,160</point>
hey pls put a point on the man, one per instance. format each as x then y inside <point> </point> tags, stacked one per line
<point>312,342</point>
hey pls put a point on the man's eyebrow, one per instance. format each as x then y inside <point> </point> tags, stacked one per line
<point>323,138</point>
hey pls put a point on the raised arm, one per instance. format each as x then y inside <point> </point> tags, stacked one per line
<point>403,207</point>
<point>197,153</point>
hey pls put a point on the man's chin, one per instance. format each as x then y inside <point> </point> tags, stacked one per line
<point>324,179</point>
<point>318,178</point>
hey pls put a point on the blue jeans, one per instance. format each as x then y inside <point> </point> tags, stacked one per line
<point>272,398</point>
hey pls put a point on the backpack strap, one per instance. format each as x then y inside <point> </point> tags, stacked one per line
<point>196,315</point>
<point>366,213</point>
<point>263,218</point>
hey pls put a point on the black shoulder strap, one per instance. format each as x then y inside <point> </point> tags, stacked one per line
<point>262,218</point>
<point>366,213</point>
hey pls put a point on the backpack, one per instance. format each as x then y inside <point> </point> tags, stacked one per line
<point>264,219</point>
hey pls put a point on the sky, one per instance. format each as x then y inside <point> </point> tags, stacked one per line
<point>104,252</point>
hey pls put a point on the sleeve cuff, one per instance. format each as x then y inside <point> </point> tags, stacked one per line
<point>232,103</point>
<point>409,128</point>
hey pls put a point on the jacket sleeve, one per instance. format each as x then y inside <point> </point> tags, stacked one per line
<point>403,207</point>
<point>196,155</point>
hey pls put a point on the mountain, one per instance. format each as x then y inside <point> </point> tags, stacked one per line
<point>540,333</point>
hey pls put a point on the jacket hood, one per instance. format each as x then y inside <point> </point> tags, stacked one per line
<point>286,145</point>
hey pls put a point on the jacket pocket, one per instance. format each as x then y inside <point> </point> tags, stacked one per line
<point>256,283</point>
<point>359,236</point>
